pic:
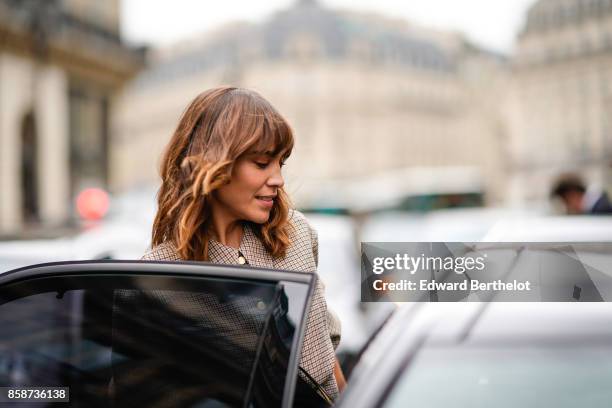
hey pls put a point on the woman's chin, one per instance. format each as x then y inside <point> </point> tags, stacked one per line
<point>260,217</point>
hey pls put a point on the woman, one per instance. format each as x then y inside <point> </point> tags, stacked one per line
<point>222,200</point>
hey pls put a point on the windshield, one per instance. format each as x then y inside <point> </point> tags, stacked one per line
<point>506,377</point>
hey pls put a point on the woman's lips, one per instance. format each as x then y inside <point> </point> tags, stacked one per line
<point>266,201</point>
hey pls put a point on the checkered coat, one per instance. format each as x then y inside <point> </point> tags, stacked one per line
<point>323,327</point>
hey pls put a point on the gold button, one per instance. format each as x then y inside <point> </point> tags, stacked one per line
<point>241,260</point>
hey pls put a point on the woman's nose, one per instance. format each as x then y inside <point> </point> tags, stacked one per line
<point>276,179</point>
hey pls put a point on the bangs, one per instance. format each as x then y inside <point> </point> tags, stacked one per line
<point>272,136</point>
<point>249,124</point>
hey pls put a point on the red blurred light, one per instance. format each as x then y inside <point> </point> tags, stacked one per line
<point>92,204</point>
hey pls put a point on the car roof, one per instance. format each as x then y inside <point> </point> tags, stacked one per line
<point>505,322</point>
<point>542,323</point>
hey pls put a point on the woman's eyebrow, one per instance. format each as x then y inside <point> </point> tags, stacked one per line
<point>266,153</point>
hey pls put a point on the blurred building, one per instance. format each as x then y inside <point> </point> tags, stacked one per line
<point>561,109</point>
<point>374,102</point>
<point>61,65</point>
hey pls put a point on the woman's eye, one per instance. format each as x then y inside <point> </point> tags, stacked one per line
<point>261,165</point>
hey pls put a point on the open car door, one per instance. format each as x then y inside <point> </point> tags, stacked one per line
<point>156,334</point>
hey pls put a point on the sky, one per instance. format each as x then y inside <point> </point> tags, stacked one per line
<point>492,24</point>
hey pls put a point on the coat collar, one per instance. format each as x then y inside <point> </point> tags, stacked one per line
<point>250,246</point>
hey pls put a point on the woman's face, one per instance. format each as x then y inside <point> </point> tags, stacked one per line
<point>252,191</point>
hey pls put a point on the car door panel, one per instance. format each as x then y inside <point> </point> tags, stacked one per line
<point>154,334</point>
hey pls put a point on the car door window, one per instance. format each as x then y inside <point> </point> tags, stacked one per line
<point>133,335</point>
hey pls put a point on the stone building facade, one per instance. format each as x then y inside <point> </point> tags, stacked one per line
<point>560,115</point>
<point>370,99</point>
<point>61,66</point>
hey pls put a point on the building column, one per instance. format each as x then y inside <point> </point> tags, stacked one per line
<point>15,101</point>
<point>52,119</point>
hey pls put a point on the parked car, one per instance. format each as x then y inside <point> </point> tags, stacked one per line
<point>17,254</point>
<point>579,228</point>
<point>125,233</point>
<point>157,334</point>
<point>482,355</point>
<point>450,225</point>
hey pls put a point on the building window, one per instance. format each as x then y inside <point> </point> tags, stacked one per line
<point>88,140</point>
<point>29,169</point>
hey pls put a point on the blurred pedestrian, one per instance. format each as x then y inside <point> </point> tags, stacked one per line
<point>222,200</point>
<point>578,199</point>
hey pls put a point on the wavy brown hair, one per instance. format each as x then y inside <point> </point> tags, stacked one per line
<point>218,127</point>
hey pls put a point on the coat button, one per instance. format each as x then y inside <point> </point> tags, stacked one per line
<point>241,260</point>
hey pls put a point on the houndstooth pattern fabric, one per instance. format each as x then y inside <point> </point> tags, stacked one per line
<point>218,326</point>
<point>323,327</point>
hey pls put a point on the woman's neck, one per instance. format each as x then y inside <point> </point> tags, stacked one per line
<point>227,230</point>
<point>229,236</point>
